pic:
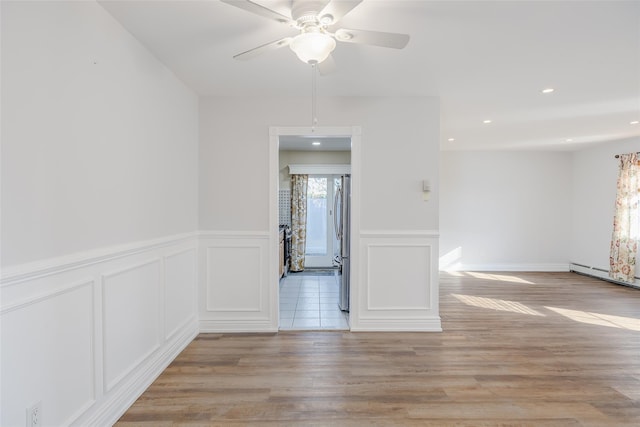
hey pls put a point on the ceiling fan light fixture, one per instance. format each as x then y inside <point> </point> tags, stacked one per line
<point>313,47</point>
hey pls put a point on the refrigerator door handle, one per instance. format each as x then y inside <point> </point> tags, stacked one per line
<point>337,227</point>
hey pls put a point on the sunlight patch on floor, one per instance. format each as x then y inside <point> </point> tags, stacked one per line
<point>497,304</point>
<point>499,277</point>
<point>608,320</point>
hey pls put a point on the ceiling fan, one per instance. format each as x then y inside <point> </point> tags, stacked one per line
<point>316,20</point>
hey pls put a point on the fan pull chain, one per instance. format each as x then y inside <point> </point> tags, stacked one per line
<point>314,97</point>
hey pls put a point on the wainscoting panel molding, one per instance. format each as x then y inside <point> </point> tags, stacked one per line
<point>403,294</point>
<point>233,278</point>
<point>180,281</point>
<point>47,355</point>
<point>234,282</point>
<point>86,334</point>
<point>130,306</point>
<point>398,289</point>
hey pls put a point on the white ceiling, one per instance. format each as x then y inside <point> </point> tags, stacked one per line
<point>484,59</point>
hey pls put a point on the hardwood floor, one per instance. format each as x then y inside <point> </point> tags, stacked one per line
<point>518,349</point>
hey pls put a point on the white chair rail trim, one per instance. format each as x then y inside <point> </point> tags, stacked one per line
<point>23,272</point>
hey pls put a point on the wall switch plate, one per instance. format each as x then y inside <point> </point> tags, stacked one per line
<point>34,415</point>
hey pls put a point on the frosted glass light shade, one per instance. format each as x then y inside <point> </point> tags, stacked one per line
<point>312,47</point>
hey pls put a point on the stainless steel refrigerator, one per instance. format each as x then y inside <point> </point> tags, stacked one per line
<point>342,222</point>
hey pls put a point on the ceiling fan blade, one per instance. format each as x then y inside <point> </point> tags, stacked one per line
<point>252,53</point>
<point>327,66</point>
<point>258,9</point>
<point>337,9</point>
<point>375,38</point>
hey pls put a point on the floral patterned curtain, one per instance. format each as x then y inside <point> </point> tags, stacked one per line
<point>624,243</point>
<point>298,221</point>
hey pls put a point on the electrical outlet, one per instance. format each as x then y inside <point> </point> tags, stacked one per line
<point>34,415</point>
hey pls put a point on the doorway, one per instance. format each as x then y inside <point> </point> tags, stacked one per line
<point>309,299</point>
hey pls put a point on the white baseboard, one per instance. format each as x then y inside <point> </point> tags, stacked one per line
<point>237,326</point>
<point>508,267</point>
<point>397,325</point>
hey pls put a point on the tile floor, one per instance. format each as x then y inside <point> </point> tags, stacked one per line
<point>310,302</point>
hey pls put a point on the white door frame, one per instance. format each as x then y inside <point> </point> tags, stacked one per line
<point>355,133</point>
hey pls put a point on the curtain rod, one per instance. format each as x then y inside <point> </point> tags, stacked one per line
<point>617,156</point>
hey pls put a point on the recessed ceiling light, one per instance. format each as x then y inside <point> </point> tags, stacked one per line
<point>451,139</point>
<point>486,122</point>
<point>635,122</point>
<point>547,90</point>
<point>568,140</point>
<point>315,143</point>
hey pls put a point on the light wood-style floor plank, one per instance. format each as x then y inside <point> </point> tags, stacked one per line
<point>518,349</point>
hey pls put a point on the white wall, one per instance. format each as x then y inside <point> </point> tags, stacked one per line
<point>98,138</point>
<point>400,148</point>
<point>505,210</point>
<point>99,214</point>
<point>595,172</point>
<point>289,157</point>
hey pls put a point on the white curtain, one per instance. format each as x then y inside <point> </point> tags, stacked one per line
<point>624,242</point>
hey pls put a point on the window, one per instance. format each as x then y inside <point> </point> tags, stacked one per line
<point>317,216</point>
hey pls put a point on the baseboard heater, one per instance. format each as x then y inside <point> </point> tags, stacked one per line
<point>600,273</point>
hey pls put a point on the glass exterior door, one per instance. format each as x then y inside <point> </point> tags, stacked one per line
<point>320,242</point>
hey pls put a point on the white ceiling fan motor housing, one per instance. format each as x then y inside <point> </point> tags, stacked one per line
<point>306,11</point>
